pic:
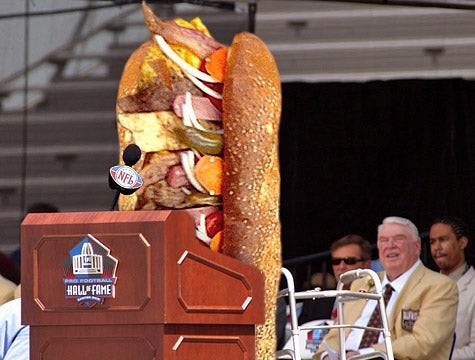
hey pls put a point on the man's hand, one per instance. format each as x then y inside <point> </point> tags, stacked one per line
<point>349,354</point>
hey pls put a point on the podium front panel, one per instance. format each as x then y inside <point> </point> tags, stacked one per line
<point>144,342</point>
<point>102,278</point>
<point>96,342</point>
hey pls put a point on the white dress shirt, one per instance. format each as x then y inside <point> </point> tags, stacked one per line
<point>14,337</point>
<point>465,327</point>
<point>354,337</point>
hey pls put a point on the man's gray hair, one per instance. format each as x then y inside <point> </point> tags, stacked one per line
<point>400,221</point>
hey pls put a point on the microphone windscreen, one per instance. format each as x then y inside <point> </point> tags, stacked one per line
<point>131,154</point>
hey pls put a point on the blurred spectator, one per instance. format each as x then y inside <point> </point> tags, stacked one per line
<point>323,281</point>
<point>7,290</point>
<point>17,292</point>
<point>37,207</point>
<point>42,207</point>
<point>280,322</point>
<point>9,268</point>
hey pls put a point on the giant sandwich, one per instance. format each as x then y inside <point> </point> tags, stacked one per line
<point>206,117</point>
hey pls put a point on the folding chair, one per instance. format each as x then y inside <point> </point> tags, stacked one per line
<point>343,296</point>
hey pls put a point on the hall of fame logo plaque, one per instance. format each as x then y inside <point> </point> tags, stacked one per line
<point>89,272</point>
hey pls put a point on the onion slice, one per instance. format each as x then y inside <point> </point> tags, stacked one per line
<point>191,113</point>
<point>180,62</point>
<point>186,190</point>
<point>186,116</point>
<point>202,225</point>
<point>188,163</point>
<point>189,116</point>
<point>203,237</point>
<point>201,232</point>
<point>195,80</point>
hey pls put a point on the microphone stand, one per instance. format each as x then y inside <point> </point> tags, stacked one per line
<point>116,198</point>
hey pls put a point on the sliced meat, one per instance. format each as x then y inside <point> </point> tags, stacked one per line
<point>176,177</point>
<point>182,85</point>
<point>160,196</point>
<point>202,107</point>
<point>155,95</point>
<point>156,168</point>
<point>158,92</point>
<point>195,40</point>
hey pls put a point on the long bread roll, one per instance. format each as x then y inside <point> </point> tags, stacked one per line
<point>251,110</point>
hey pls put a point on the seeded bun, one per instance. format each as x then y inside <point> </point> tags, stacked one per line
<point>251,117</point>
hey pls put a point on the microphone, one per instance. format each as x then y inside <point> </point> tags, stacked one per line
<point>131,155</point>
<point>123,178</point>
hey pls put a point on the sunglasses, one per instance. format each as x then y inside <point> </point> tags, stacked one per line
<point>348,260</point>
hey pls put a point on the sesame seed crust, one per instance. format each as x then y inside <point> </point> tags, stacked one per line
<point>251,187</point>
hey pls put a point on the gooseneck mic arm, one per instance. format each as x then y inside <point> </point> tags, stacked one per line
<point>114,201</point>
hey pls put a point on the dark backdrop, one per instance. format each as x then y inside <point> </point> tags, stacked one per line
<point>353,153</point>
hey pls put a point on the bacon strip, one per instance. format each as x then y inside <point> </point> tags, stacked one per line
<point>202,107</point>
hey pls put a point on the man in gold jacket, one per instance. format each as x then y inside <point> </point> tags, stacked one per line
<point>421,310</point>
<point>7,290</point>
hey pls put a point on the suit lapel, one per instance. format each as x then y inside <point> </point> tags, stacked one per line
<point>411,284</point>
<point>358,306</point>
<point>466,281</point>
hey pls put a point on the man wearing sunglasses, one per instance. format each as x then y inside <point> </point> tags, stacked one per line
<point>350,252</point>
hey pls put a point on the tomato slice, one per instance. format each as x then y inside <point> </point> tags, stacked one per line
<point>214,223</point>
<point>209,172</point>
<point>218,87</point>
<point>217,242</point>
<point>215,64</point>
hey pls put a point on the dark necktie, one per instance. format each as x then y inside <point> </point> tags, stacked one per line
<point>370,337</point>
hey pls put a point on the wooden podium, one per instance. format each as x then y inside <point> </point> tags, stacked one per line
<point>134,285</point>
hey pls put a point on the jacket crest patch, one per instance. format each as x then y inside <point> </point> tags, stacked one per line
<point>409,318</point>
